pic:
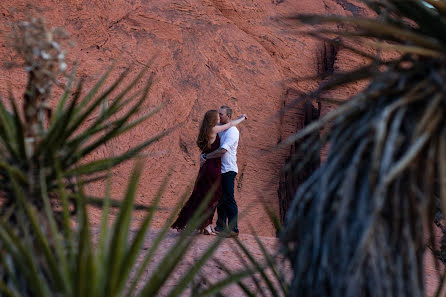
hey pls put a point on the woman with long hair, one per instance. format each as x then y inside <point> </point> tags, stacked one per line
<point>209,177</point>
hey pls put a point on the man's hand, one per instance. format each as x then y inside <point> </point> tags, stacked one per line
<point>202,160</point>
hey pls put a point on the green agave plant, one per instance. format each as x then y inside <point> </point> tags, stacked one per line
<point>357,226</point>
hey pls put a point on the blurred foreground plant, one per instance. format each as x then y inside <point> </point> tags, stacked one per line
<point>63,261</point>
<point>357,226</point>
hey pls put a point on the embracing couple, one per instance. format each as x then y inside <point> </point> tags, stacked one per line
<point>218,140</point>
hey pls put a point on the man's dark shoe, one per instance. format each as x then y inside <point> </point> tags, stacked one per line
<point>218,230</point>
<point>232,234</point>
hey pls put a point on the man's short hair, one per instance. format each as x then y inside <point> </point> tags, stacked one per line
<point>228,110</point>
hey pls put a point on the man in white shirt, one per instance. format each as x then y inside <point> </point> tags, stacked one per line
<point>227,209</point>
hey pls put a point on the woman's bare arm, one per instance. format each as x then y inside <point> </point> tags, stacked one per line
<point>232,123</point>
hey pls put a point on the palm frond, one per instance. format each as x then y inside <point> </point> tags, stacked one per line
<point>357,226</point>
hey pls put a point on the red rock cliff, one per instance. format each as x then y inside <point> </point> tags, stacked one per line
<point>240,53</point>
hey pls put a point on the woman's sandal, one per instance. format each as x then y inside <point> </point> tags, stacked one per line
<point>208,230</point>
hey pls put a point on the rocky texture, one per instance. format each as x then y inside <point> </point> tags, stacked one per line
<point>244,54</point>
<point>433,272</point>
<point>294,175</point>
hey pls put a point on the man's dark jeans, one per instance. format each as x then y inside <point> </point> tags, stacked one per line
<point>227,210</point>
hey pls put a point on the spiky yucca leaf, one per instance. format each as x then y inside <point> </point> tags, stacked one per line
<point>357,226</point>
<point>63,141</point>
<point>36,137</point>
<point>52,264</point>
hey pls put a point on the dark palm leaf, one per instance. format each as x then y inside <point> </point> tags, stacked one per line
<point>356,227</point>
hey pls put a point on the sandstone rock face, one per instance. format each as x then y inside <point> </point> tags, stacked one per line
<point>241,53</point>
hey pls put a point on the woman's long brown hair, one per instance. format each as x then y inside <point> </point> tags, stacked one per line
<point>210,119</point>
